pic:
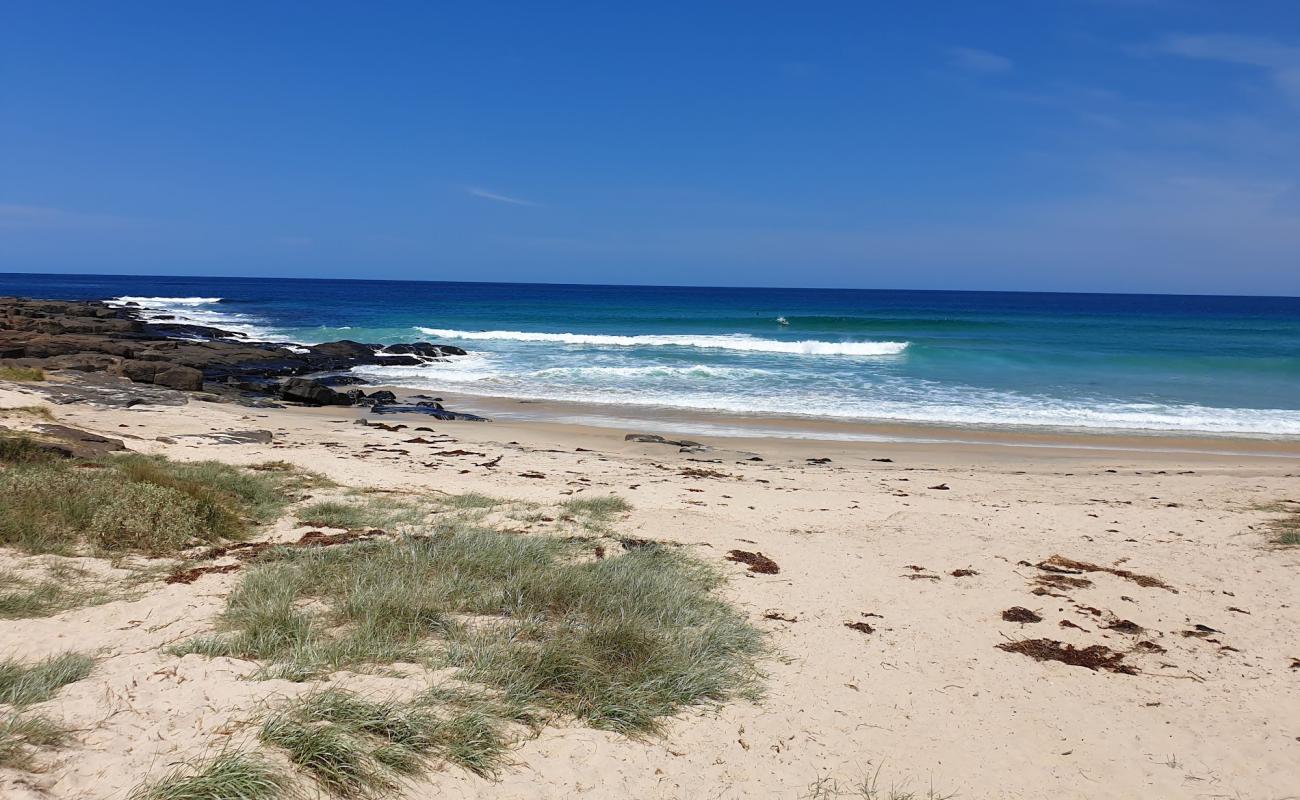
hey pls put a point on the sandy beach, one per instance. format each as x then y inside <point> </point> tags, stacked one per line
<point>920,547</point>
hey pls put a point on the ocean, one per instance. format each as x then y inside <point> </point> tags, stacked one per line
<point>1154,363</point>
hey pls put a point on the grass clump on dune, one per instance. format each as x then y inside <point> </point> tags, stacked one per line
<point>133,503</point>
<point>371,512</point>
<point>1286,529</point>
<point>40,412</point>
<point>21,736</point>
<point>596,512</point>
<point>354,746</point>
<point>22,374</point>
<point>233,775</point>
<point>24,684</point>
<point>20,449</point>
<point>619,642</point>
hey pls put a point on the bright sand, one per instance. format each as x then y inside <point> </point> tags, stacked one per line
<point>927,697</point>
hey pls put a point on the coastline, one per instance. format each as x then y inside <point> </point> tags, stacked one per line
<point>759,426</point>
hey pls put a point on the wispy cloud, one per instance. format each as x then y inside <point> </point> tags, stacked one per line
<point>1281,61</point>
<point>971,59</point>
<point>499,198</point>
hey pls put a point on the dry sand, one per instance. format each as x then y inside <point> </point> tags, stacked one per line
<point>925,696</point>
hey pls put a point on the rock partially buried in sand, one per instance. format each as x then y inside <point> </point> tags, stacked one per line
<point>436,413</point>
<point>650,438</point>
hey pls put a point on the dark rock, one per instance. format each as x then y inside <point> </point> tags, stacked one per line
<point>345,349</point>
<point>310,392</point>
<point>436,413</point>
<point>425,349</point>
<point>686,445</point>
<point>73,442</point>
<point>186,379</point>
<point>342,380</point>
<point>383,397</point>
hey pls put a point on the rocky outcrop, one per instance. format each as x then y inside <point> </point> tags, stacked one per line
<point>93,337</point>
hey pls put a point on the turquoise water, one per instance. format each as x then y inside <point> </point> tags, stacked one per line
<point>1126,362</point>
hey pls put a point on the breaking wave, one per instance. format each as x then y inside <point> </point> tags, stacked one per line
<point>735,341</point>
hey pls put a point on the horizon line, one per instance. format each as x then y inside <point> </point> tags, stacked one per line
<point>649,285</point>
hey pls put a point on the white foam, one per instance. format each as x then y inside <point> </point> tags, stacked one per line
<point>736,341</point>
<point>192,311</point>
<point>658,371</point>
<point>162,302</point>
<point>918,402</point>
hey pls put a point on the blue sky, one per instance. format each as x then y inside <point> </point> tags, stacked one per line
<point>1091,145</point>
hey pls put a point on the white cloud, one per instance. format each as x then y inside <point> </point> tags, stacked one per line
<point>1281,61</point>
<point>499,198</point>
<point>971,59</point>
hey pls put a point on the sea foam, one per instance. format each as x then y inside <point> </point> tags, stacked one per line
<point>736,341</point>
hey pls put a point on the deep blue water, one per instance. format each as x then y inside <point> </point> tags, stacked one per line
<point>1153,362</point>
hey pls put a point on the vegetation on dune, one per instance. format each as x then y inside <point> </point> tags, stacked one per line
<point>24,684</point>
<point>131,503</point>
<point>232,775</point>
<point>21,736</point>
<point>1287,527</point>
<point>370,512</point>
<point>353,746</point>
<point>19,449</point>
<point>618,642</point>
<point>596,513</point>
<point>21,374</point>
<point>39,412</point>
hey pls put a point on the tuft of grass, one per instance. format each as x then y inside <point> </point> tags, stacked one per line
<point>40,412</point>
<point>60,588</point>
<point>469,501</point>
<point>20,736</point>
<point>620,643</point>
<point>356,746</point>
<point>1286,529</point>
<point>370,512</point>
<point>133,503</point>
<point>596,512</point>
<point>869,788</point>
<point>334,759</point>
<point>20,449</point>
<point>24,684</point>
<point>227,497</point>
<point>233,775</point>
<point>22,374</point>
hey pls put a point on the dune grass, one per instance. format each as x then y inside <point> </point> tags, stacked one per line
<point>1287,528</point>
<point>619,643</point>
<point>869,788</point>
<point>232,775</point>
<point>24,684</point>
<point>596,513</point>
<point>23,598</point>
<point>22,374</point>
<point>354,746</point>
<point>368,512</point>
<point>39,412</point>
<point>21,736</point>
<point>19,449</point>
<point>133,503</point>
